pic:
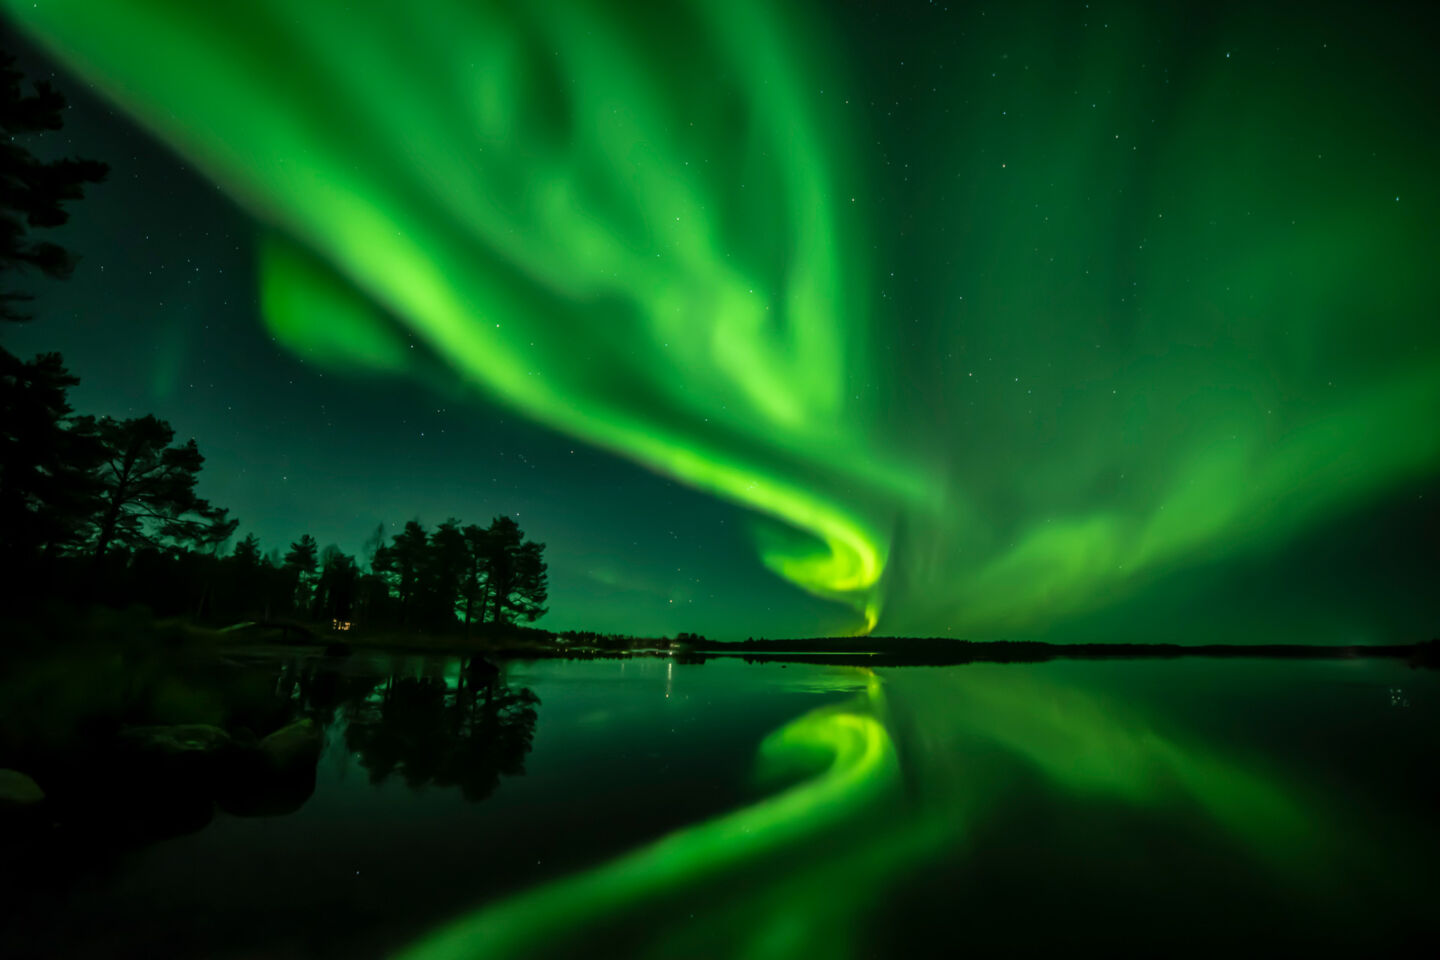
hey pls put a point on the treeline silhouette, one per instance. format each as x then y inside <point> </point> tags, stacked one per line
<point>99,510</point>
<point>594,640</point>
<point>105,510</point>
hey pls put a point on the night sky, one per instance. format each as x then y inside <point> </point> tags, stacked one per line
<point>1071,321</point>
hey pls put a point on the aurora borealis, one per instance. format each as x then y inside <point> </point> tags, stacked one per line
<point>802,870</point>
<point>847,762</point>
<point>1056,320</point>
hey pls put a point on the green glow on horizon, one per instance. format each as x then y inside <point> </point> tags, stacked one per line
<point>1238,488</point>
<point>1163,323</point>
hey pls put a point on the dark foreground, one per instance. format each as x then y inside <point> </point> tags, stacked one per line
<point>282,802</point>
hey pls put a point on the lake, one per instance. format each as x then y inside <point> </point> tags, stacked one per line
<point>649,807</point>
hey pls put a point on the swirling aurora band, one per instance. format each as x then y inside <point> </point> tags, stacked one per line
<point>1157,322</point>
<point>653,263</point>
<point>642,230</point>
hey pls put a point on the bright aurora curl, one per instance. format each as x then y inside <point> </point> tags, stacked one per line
<point>652,232</point>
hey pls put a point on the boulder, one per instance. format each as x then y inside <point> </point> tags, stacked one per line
<point>294,747</point>
<point>177,740</point>
<point>274,778</point>
<point>168,774</point>
<point>18,790</point>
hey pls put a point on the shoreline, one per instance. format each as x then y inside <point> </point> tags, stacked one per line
<point>863,651</point>
<point>899,652</point>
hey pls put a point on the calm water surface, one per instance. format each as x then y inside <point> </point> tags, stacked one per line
<point>652,808</point>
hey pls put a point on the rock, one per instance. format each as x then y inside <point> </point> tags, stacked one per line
<point>293,747</point>
<point>19,790</point>
<point>176,740</point>
<point>168,774</point>
<point>274,778</point>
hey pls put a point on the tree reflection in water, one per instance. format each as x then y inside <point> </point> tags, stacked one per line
<point>430,732</point>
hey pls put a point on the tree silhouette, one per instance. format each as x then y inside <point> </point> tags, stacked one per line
<point>303,555</point>
<point>530,587</point>
<point>247,552</point>
<point>248,578</point>
<point>515,572</point>
<point>147,487</point>
<point>447,562</point>
<point>300,563</point>
<point>336,590</point>
<point>44,484</point>
<point>474,580</point>
<point>372,544</point>
<point>402,563</point>
<point>33,193</point>
<point>46,487</point>
<point>467,573</point>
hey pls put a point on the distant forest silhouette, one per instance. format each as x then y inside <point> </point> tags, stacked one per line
<point>106,511</point>
<point>101,510</point>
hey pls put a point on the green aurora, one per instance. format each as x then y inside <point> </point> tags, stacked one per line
<point>851,765</point>
<point>1164,296</point>
<point>800,872</point>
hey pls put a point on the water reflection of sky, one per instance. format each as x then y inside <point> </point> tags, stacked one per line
<point>1274,795</point>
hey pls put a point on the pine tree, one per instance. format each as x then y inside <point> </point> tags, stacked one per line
<point>33,193</point>
<point>247,551</point>
<point>335,591</point>
<point>47,490</point>
<point>147,488</point>
<point>301,563</point>
<point>402,563</point>
<point>515,573</point>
